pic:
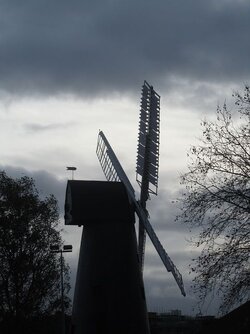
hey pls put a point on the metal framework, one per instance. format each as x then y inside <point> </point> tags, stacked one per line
<point>148,139</point>
<point>114,172</point>
<point>111,167</point>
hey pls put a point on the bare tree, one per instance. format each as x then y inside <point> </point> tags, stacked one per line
<point>217,202</point>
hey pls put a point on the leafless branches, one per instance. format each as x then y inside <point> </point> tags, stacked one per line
<point>217,201</point>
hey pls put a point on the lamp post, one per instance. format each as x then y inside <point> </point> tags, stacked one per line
<point>61,250</point>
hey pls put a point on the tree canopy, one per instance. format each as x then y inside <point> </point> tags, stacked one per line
<point>30,273</point>
<point>217,203</point>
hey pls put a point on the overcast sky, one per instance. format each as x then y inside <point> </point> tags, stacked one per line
<point>70,68</point>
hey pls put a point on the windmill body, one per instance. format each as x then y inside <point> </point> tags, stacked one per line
<point>109,293</point>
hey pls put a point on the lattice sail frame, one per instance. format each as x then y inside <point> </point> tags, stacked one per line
<point>111,167</point>
<point>104,159</point>
<point>148,138</point>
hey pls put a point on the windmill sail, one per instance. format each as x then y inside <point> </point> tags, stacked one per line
<point>114,172</point>
<point>147,155</point>
<point>148,139</point>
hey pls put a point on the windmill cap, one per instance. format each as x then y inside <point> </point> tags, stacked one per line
<point>89,202</point>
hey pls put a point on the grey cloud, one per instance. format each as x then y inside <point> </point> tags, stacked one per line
<point>181,258</point>
<point>93,47</point>
<point>34,127</point>
<point>163,211</point>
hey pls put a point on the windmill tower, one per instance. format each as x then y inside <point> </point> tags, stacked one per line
<point>109,293</point>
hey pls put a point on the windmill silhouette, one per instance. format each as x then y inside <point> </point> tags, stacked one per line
<point>109,292</point>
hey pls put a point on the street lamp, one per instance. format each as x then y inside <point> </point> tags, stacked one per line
<point>61,250</point>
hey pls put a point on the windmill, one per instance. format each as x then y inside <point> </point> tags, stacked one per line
<point>109,293</point>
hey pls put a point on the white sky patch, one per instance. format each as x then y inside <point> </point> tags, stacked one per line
<point>63,132</point>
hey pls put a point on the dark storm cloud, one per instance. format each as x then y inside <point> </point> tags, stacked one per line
<point>91,47</point>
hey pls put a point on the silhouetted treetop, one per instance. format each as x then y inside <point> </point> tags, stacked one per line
<point>30,273</point>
